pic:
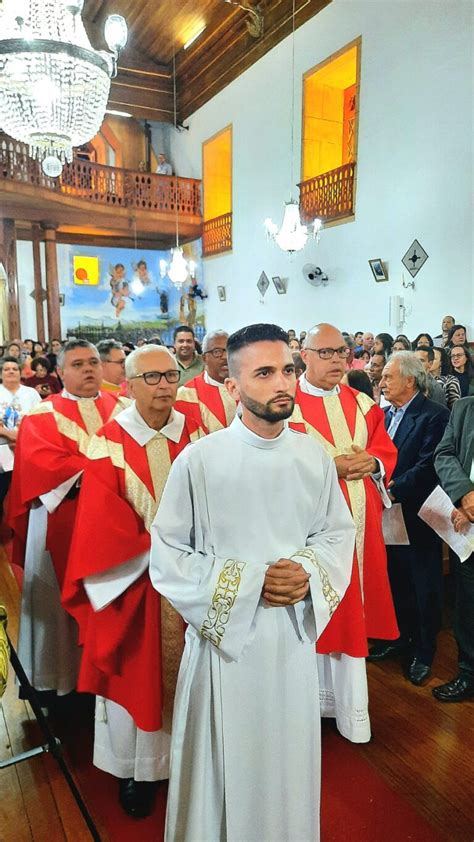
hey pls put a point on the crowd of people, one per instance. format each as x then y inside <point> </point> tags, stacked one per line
<point>153,508</point>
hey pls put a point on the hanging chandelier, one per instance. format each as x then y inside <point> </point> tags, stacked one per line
<point>54,86</point>
<point>292,235</point>
<point>179,269</point>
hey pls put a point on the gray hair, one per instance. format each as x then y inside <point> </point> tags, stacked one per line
<point>213,334</point>
<point>131,360</point>
<point>105,346</point>
<point>411,366</point>
<point>70,346</point>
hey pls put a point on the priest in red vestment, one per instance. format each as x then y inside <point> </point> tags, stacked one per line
<point>350,427</point>
<point>49,460</point>
<point>205,396</point>
<point>132,639</point>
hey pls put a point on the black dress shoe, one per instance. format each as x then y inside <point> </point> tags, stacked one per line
<point>387,649</point>
<point>457,690</point>
<point>418,672</point>
<point>137,798</point>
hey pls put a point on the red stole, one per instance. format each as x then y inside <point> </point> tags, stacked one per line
<point>122,643</point>
<point>337,422</point>
<point>50,449</point>
<point>211,406</point>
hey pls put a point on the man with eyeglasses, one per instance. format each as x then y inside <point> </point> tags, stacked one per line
<point>350,426</point>
<point>50,457</point>
<point>205,396</point>
<point>132,638</point>
<point>112,356</point>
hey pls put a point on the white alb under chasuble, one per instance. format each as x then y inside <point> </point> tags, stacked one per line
<point>245,757</point>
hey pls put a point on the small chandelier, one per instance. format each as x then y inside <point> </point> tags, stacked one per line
<point>292,235</point>
<point>54,86</point>
<point>179,269</point>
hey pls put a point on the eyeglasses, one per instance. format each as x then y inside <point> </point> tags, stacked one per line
<point>217,353</point>
<point>328,353</point>
<point>457,356</point>
<point>152,378</point>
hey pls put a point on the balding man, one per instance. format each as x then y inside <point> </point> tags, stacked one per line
<point>351,429</point>
<point>132,638</point>
<point>49,459</point>
<point>368,341</point>
<point>205,397</point>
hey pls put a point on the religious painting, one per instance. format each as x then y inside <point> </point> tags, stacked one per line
<point>378,269</point>
<point>414,258</point>
<point>127,293</point>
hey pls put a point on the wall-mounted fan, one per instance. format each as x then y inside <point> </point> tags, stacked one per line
<point>314,275</point>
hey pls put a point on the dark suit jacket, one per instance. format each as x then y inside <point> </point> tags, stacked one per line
<point>414,478</point>
<point>455,452</point>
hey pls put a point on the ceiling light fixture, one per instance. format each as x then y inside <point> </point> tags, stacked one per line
<point>118,113</point>
<point>292,235</point>
<point>194,38</point>
<point>54,86</point>
<point>179,270</point>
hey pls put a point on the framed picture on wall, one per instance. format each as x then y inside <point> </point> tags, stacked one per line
<point>279,284</point>
<point>62,299</point>
<point>221,293</point>
<point>378,269</point>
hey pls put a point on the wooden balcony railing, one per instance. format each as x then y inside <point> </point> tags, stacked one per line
<point>217,235</point>
<point>98,184</point>
<point>329,195</point>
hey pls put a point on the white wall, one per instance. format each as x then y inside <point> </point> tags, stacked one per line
<point>414,171</point>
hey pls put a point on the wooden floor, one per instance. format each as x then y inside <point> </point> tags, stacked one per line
<point>423,749</point>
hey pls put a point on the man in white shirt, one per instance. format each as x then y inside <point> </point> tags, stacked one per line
<point>163,168</point>
<point>257,572</point>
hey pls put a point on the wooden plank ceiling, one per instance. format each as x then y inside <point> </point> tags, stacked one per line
<point>157,34</point>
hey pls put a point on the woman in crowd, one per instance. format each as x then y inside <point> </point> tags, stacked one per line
<point>358,379</point>
<point>43,380</point>
<point>16,401</point>
<point>362,355</point>
<point>294,346</point>
<point>38,349</point>
<point>402,343</point>
<point>422,339</point>
<point>463,370</point>
<point>440,369</point>
<point>14,350</point>
<point>383,344</point>
<point>457,337</point>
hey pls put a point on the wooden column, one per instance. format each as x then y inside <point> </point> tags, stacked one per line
<point>39,292</point>
<point>52,282</point>
<point>8,258</point>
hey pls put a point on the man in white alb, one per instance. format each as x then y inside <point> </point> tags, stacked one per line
<point>257,572</point>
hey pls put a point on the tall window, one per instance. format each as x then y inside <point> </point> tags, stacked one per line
<point>330,111</point>
<point>217,187</point>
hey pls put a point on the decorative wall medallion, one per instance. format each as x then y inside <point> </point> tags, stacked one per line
<point>263,284</point>
<point>415,257</point>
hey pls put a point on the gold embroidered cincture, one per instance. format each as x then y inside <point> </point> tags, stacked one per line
<point>224,597</point>
<point>329,593</point>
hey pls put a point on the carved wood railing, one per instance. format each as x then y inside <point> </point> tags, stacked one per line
<point>103,185</point>
<point>217,235</point>
<point>329,195</point>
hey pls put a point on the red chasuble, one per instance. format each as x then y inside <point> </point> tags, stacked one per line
<point>211,406</point>
<point>126,645</point>
<point>50,449</point>
<point>337,422</point>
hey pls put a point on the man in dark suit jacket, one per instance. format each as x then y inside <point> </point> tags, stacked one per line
<point>416,425</point>
<point>454,463</point>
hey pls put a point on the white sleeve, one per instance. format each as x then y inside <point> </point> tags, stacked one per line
<point>328,555</point>
<point>52,499</point>
<point>103,588</point>
<point>218,596</point>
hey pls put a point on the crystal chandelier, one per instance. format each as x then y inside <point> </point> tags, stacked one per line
<point>292,236</point>
<point>54,86</point>
<point>179,269</point>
